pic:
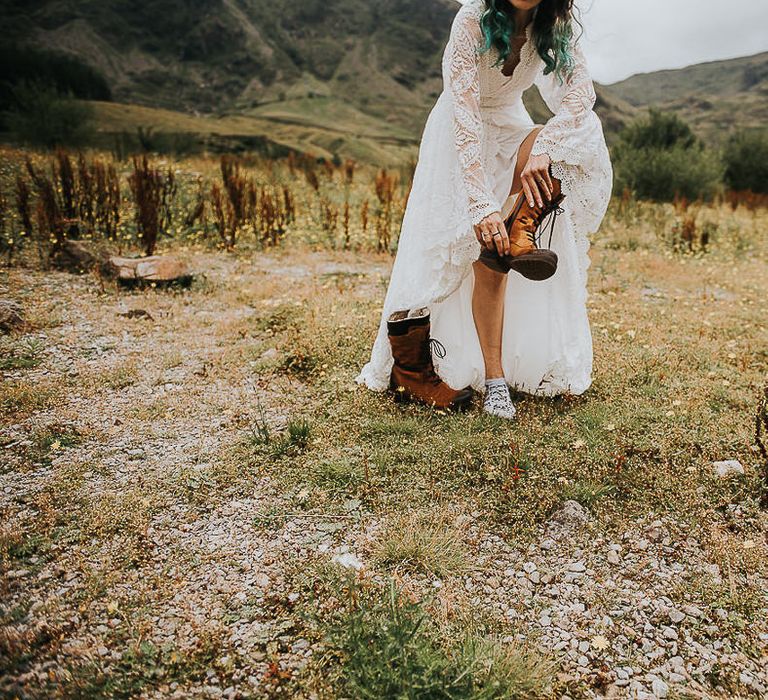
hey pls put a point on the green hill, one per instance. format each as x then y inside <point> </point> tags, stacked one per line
<point>351,77</point>
<point>715,98</point>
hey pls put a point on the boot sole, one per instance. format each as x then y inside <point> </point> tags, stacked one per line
<point>537,265</point>
<point>460,404</point>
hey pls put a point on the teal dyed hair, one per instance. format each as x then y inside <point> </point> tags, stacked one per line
<point>552,33</point>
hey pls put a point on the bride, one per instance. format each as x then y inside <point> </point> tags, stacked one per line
<point>488,286</point>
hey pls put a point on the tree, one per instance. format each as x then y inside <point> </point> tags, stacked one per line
<point>746,161</point>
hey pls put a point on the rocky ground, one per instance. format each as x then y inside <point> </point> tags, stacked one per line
<point>149,550</point>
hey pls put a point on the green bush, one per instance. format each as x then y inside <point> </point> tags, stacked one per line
<point>64,72</point>
<point>42,116</point>
<point>746,161</point>
<point>659,158</point>
<point>662,174</point>
<point>659,130</point>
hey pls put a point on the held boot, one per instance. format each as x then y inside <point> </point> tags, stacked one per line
<point>523,222</point>
<point>413,374</point>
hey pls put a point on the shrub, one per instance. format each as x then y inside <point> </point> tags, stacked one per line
<point>659,158</point>
<point>153,193</point>
<point>662,174</point>
<point>42,116</point>
<point>746,161</point>
<point>65,73</point>
<point>659,130</point>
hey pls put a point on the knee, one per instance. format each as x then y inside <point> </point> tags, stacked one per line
<point>489,279</point>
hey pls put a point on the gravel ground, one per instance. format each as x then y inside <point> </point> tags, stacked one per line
<point>201,565</point>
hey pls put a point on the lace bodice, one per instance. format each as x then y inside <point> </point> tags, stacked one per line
<point>573,136</point>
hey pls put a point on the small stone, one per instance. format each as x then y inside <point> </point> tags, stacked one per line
<point>676,616</point>
<point>693,611</point>
<point>577,566</point>
<point>669,633</point>
<point>727,468</point>
<point>348,560</point>
<point>614,558</point>
<point>659,688</point>
<point>529,567</point>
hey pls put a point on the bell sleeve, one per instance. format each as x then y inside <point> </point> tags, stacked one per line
<point>573,139</point>
<point>460,82</point>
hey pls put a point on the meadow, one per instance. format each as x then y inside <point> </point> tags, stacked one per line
<point>198,501</point>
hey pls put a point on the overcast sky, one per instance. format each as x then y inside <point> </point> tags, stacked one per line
<point>623,37</point>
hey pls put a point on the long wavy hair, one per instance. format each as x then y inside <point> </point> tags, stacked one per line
<point>552,32</point>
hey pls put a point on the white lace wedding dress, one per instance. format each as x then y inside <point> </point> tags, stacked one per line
<point>463,173</point>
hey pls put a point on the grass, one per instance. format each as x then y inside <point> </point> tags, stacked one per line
<point>679,368</point>
<point>426,541</point>
<point>390,649</point>
<point>26,354</point>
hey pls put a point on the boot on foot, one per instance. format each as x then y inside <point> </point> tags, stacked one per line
<point>413,375</point>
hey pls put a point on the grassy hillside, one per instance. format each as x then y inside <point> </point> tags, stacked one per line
<point>337,76</point>
<point>715,97</point>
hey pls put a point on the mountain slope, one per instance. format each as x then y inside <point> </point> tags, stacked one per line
<point>715,98</point>
<point>328,72</point>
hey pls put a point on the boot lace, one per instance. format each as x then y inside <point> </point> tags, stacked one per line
<point>546,219</point>
<point>434,345</point>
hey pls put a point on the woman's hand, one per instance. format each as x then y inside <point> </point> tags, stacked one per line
<point>485,230</point>
<point>537,184</point>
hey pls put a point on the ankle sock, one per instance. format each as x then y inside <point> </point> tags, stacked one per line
<point>497,400</point>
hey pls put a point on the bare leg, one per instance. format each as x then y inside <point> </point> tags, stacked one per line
<point>488,311</point>
<point>488,293</point>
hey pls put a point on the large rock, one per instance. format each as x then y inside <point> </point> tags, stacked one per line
<point>11,316</point>
<point>570,518</point>
<point>156,268</point>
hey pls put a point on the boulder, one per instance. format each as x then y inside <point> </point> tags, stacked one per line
<point>11,315</point>
<point>570,518</point>
<point>156,268</point>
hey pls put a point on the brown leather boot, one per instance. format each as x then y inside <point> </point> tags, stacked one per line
<point>522,224</point>
<point>413,374</point>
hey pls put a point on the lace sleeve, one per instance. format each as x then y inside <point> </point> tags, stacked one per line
<point>460,80</point>
<point>573,138</point>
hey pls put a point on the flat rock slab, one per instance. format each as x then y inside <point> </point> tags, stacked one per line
<point>156,268</point>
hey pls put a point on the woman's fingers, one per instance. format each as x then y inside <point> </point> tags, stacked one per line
<point>502,241</point>
<point>492,234</point>
<point>484,234</point>
<point>533,187</point>
<point>548,178</point>
<point>543,185</point>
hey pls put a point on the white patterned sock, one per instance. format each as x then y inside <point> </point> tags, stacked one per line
<point>497,400</point>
